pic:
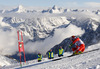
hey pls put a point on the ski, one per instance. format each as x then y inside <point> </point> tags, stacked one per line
<point>75,55</point>
<point>85,52</point>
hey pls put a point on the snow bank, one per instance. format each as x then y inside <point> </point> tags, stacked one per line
<point>4,61</point>
<point>90,60</point>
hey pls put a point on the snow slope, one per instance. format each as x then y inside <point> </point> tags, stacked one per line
<point>4,61</point>
<point>90,60</point>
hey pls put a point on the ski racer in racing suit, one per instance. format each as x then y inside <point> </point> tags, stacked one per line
<point>79,45</point>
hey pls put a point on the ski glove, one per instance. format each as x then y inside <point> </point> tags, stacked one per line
<point>70,44</point>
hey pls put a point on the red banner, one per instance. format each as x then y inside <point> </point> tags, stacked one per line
<point>21,47</point>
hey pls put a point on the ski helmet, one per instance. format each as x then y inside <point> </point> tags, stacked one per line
<point>73,38</point>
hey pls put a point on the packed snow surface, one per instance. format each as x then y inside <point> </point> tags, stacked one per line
<point>90,60</point>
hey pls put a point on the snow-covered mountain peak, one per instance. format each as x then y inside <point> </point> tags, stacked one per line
<point>19,9</point>
<point>98,12</point>
<point>54,7</point>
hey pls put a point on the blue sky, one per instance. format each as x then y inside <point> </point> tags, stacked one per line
<point>49,3</point>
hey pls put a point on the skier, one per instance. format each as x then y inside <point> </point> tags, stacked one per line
<point>79,46</point>
<point>39,57</point>
<point>50,55</point>
<point>60,51</point>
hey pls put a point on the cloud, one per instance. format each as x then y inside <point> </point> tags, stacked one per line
<point>8,42</point>
<point>92,4</point>
<point>59,35</point>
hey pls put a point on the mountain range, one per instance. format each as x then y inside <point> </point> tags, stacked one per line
<point>47,29</point>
